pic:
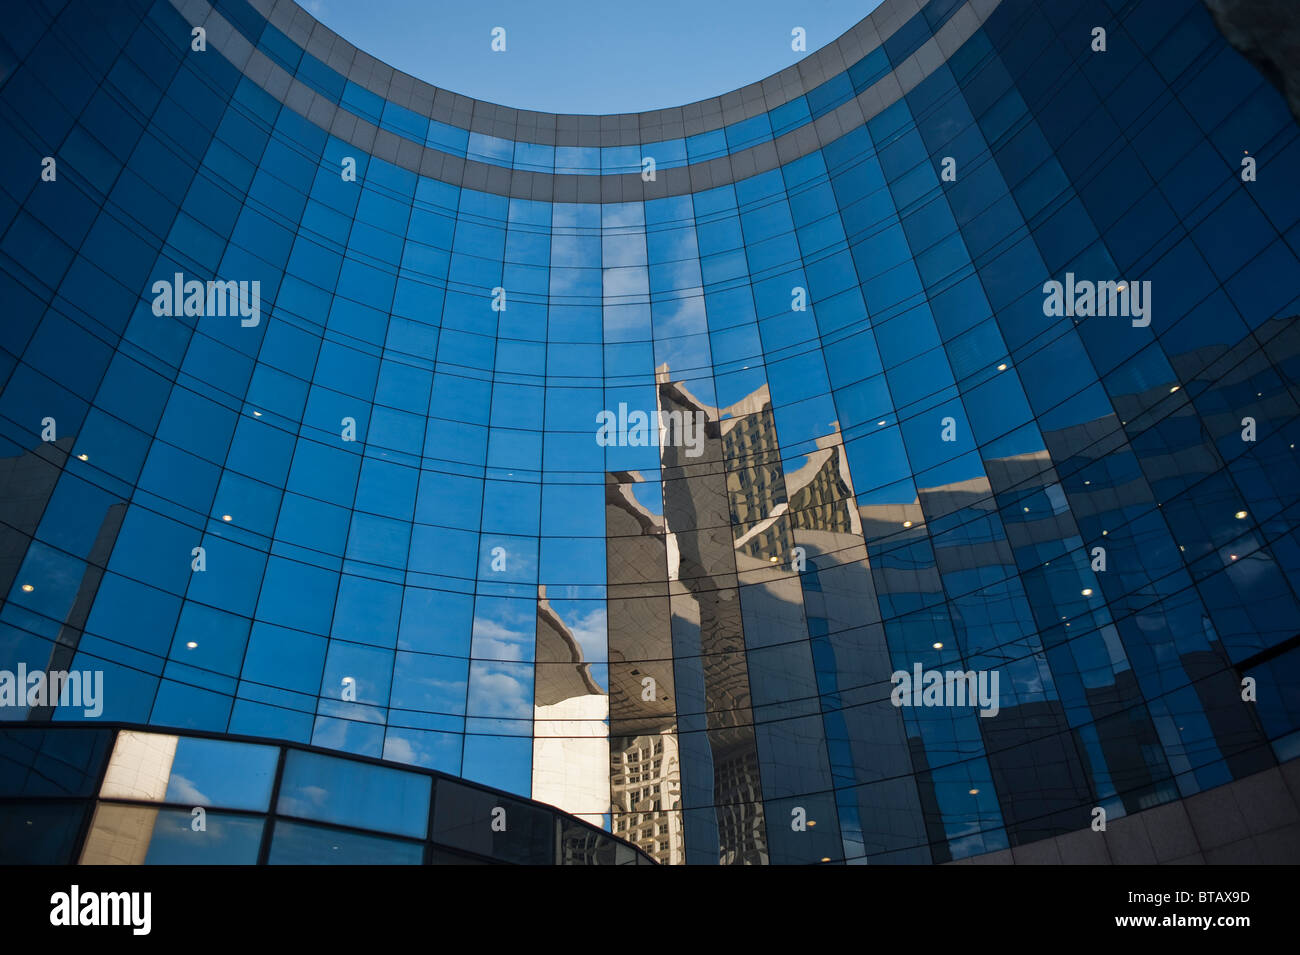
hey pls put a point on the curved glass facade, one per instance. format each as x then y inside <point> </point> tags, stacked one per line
<point>640,464</point>
<point>108,796</point>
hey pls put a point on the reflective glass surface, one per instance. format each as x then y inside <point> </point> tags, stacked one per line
<point>144,798</point>
<point>346,414</point>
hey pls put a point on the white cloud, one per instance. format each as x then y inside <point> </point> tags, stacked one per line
<point>184,790</point>
<point>494,692</point>
<point>399,750</point>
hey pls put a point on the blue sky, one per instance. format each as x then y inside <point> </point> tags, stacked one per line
<point>565,56</point>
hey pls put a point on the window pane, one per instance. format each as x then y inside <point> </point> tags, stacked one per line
<point>354,794</point>
<point>490,825</point>
<point>50,762</point>
<point>144,835</point>
<point>298,844</point>
<point>195,772</point>
<point>39,833</point>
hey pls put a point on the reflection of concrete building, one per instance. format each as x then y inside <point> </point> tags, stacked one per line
<point>141,769</point>
<point>26,485</point>
<point>134,796</point>
<point>641,711</point>
<point>645,794</point>
<point>771,512</point>
<point>721,788</point>
<point>570,741</point>
<point>821,491</point>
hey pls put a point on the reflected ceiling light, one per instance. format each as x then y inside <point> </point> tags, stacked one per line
<point>1002,367</point>
<point>974,792</point>
<point>1026,510</point>
<point>774,559</point>
<point>1233,556</point>
<point>880,422</point>
<point>1086,591</point>
<point>938,646</point>
<point>907,523</point>
<point>1174,388</point>
<point>1120,288</point>
<point>257,414</point>
<point>1087,482</point>
<point>83,457</point>
<point>28,588</point>
<point>1241,515</point>
<point>1104,533</point>
<point>192,645</point>
<point>826,858</point>
<point>812,822</point>
<point>226,517</point>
